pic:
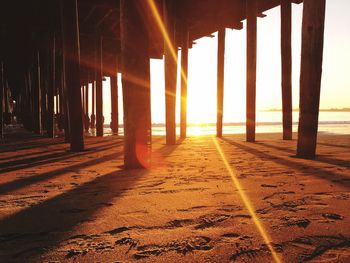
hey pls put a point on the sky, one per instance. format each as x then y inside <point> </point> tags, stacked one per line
<point>335,89</point>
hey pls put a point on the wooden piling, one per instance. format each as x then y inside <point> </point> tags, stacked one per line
<point>82,91</point>
<point>31,100</point>
<point>56,88</point>
<point>43,88</point>
<point>99,89</point>
<point>1,100</point>
<point>286,59</point>
<point>59,84</point>
<point>220,80</point>
<point>114,101</point>
<point>86,102</point>
<point>51,87</point>
<point>136,94</point>
<point>93,108</point>
<point>70,36</point>
<point>170,64</point>
<point>184,84</point>
<point>251,10</point>
<point>36,86</point>
<point>310,76</point>
<point>2,51</point>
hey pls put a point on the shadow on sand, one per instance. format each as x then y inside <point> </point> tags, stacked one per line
<point>319,158</point>
<point>333,177</point>
<point>29,233</point>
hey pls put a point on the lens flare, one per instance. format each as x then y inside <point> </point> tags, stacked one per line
<point>245,199</point>
<point>247,203</point>
<point>161,25</point>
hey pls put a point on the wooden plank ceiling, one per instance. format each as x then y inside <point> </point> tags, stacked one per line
<point>25,24</point>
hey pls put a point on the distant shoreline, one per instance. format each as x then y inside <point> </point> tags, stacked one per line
<point>321,110</point>
<point>162,125</point>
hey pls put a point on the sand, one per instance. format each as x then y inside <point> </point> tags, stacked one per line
<point>58,206</point>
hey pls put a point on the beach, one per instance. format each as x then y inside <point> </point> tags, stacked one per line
<point>203,200</point>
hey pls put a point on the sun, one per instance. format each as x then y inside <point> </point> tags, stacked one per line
<point>201,107</point>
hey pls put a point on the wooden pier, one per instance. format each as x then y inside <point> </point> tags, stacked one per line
<point>68,193</point>
<point>55,50</point>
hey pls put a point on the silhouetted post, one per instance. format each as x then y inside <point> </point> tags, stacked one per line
<point>43,88</point>
<point>99,91</point>
<point>59,84</point>
<point>114,100</point>
<point>170,63</point>
<point>63,108</point>
<point>220,80</point>
<point>87,121</point>
<point>25,99</point>
<point>1,83</point>
<point>36,86</point>
<point>7,98</point>
<point>136,94</point>
<point>93,99</point>
<point>65,116</point>
<point>310,76</point>
<point>7,105</point>
<point>251,68</point>
<point>82,91</point>
<point>51,87</point>
<point>30,121</point>
<point>184,84</point>
<point>57,108</point>
<point>2,100</point>
<point>70,36</point>
<point>286,57</point>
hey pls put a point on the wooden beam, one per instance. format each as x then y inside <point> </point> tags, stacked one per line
<point>2,51</point>
<point>106,4</point>
<point>286,59</point>
<point>170,63</point>
<point>1,99</point>
<point>64,101</point>
<point>70,36</point>
<point>99,89</point>
<point>44,73</point>
<point>184,84</point>
<point>136,94</point>
<point>86,102</point>
<point>93,108</point>
<point>82,91</point>
<point>114,101</point>
<point>36,86</point>
<point>51,86</point>
<point>61,89</point>
<point>251,9</point>
<point>109,12</point>
<point>310,76</point>
<point>220,81</point>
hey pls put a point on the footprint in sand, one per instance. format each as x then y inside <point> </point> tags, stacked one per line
<point>180,246</point>
<point>333,216</point>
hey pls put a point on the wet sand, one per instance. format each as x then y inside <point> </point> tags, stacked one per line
<point>58,206</point>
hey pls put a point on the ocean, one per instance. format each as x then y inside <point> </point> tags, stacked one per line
<point>267,122</point>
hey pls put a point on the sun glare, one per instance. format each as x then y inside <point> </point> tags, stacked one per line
<point>202,108</point>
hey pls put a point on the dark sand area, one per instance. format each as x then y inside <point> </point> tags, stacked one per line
<point>59,206</point>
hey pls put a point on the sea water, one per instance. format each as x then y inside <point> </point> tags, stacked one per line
<point>267,122</point>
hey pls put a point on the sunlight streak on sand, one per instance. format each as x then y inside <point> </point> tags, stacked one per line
<point>233,173</point>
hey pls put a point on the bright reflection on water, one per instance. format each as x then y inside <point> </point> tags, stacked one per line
<point>267,122</point>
